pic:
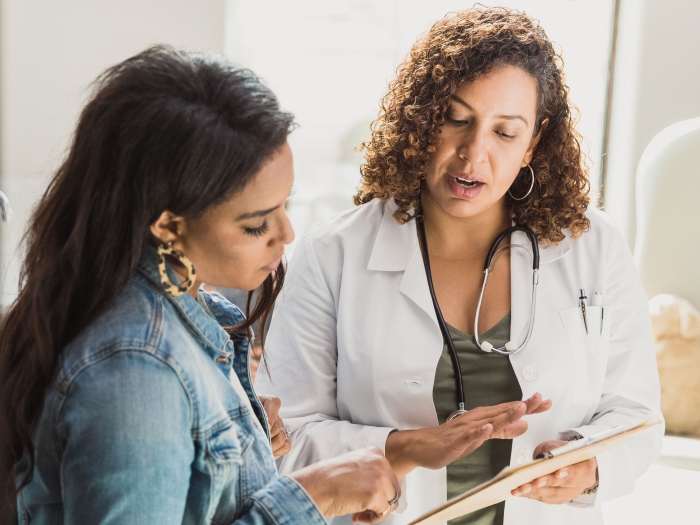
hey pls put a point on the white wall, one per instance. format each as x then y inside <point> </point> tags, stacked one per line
<point>50,51</point>
<point>656,83</point>
<point>330,61</point>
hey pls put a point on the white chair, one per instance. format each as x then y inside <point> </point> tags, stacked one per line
<point>667,247</point>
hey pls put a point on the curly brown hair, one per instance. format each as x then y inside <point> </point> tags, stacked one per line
<point>459,48</point>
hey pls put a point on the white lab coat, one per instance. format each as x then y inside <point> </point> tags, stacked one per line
<point>354,345</point>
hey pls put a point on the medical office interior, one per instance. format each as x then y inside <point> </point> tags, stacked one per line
<point>634,75</point>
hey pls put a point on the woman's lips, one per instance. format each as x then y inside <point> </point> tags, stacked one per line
<point>464,191</point>
<point>273,265</point>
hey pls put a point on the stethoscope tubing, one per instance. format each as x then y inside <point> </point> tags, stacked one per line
<point>441,320</point>
<point>423,244</point>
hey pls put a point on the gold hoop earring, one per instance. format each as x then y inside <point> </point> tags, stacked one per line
<point>174,289</point>
<point>532,185</point>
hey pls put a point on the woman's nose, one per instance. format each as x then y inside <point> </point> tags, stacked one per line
<point>286,233</point>
<point>472,146</point>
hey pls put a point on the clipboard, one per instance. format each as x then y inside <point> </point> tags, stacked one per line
<point>498,488</point>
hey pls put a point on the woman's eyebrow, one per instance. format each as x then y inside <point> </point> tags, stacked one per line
<point>252,215</point>
<point>506,117</point>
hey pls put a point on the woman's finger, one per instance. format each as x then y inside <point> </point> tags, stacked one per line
<point>385,491</point>
<point>553,495</point>
<point>271,405</point>
<point>546,446</point>
<point>278,440</point>
<point>511,431</point>
<point>370,517</point>
<point>277,426</point>
<point>479,413</point>
<point>522,489</point>
<point>283,450</point>
<point>511,416</point>
<point>543,407</point>
<point>534,402</point>
<point>475,438</point>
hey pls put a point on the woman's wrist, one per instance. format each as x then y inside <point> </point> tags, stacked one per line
<point>398,451</point>
<point>316,486</point>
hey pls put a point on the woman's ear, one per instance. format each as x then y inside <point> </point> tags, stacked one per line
<point>533,143</point>
<point>167,228</point>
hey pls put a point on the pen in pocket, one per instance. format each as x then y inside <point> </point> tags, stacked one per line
<point>598,301</point>
<point>582,305</point>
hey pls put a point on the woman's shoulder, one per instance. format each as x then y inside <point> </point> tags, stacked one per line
<point>135,322</point>
<point>603,241</point>
<point>352,236</point>
<point>365,217</point>
<point>600,219</point>
<point>603,229</point>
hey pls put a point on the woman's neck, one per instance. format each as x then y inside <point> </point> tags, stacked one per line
<point>462,238</point>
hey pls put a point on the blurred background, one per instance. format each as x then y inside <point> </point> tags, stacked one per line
<point>631,65</point>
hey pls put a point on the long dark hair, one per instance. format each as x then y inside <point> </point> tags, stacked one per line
<point>164,130</point>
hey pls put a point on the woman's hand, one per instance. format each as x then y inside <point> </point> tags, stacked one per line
<point>361,483</point>
<point>565,484</point>
<point>439,446</point>
<point>281,445</point>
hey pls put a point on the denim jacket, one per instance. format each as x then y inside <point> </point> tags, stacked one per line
<point>143,425</point>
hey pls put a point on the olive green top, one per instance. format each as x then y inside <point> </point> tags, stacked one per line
<point>489,379</point>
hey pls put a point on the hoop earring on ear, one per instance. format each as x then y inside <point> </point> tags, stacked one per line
<point>174,289</point>
<point>532,185</point>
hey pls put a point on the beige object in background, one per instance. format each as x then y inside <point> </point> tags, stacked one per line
<point>676,327</point>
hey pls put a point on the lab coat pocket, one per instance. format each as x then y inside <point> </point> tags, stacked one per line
<point>589,350</point>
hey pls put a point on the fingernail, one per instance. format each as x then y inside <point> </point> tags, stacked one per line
<point>563,474</point>
<point>527,490</point>
<point>485,427</point>
<point>542,483</point>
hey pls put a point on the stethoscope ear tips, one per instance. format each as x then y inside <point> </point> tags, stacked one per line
<point>486,346</point>
<point>510,346</point>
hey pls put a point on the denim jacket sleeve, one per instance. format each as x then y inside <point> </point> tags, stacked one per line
<point>264,506</point>
<point>125,428</point>
<point>125,424</point>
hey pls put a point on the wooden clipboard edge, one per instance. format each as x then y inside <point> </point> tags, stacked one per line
<point>546,466</point>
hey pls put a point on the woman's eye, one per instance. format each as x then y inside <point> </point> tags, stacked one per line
<point>456,121</point>
<point>257,232</point>
<point>505,136</point>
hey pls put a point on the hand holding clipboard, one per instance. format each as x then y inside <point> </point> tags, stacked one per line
<point>570,482</point>
<point>499,488</point>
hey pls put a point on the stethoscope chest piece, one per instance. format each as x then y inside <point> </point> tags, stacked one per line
<point>455,414</point>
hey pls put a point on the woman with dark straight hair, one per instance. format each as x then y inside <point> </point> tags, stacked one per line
<point>125,394</point>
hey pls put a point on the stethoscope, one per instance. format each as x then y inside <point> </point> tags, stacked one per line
<point>510,347</point>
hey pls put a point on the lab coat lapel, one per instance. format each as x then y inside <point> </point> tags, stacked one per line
<point>414,284</point>
<point>396,249</point>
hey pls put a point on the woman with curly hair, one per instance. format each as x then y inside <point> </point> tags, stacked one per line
<point>475,135</point>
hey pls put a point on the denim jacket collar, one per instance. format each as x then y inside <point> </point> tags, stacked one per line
<point>201,324</point>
